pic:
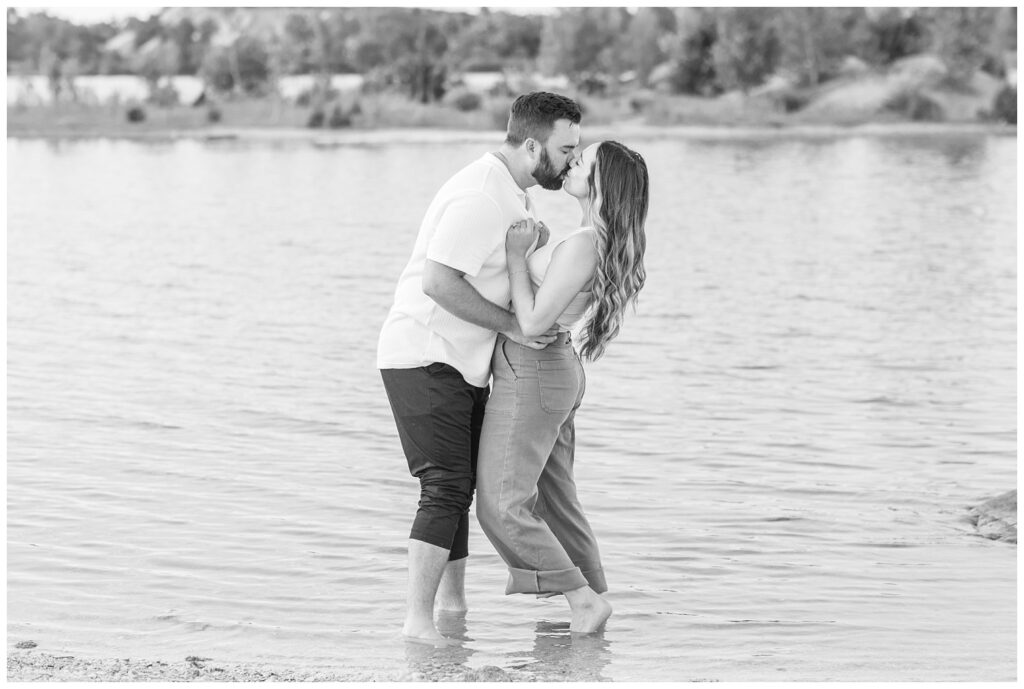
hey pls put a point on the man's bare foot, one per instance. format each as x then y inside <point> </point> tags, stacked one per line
<point>452,626</point>
<point>589,610</point>
<point>451,592</point>
<point>422,631</point>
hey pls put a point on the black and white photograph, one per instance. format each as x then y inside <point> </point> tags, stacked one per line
<point>469,344</point>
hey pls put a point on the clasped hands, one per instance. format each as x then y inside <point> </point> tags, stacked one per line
<point>523,234</point>
<point>518,239</point>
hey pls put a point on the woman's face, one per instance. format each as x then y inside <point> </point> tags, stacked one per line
<point>576,182</point>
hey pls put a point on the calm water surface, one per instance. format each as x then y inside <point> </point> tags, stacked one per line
<point>775,454</point>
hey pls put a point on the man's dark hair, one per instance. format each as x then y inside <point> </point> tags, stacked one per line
<point>534,114</point>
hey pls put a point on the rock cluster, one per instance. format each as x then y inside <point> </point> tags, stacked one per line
<point>997,518</point>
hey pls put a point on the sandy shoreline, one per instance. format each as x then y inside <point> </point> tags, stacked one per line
<point>32,666</point>
<point>633,131</point>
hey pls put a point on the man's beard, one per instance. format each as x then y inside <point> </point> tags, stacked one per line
<point>546,174</point>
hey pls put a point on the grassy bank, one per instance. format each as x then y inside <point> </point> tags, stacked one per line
<point>367,112</point>
<point>863,103</point>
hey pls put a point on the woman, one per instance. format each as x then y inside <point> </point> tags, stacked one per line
<point>526,495</point>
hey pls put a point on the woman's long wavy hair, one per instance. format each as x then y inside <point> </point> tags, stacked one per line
<point>619,191</point>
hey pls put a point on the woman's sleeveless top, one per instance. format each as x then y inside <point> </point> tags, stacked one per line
<point>538,263</point>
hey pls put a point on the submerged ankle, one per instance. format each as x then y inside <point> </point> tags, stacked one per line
<point>451,606</point>
<point>421,629</point>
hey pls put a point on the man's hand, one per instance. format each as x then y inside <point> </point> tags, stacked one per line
<point>538,342</point>
<point>544,234</point>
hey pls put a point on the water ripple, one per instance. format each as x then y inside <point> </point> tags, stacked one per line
<point>774,455</point>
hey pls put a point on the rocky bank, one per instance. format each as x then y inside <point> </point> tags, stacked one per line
<point>996,518</point>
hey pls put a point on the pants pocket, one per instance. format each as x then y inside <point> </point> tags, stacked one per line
<point>559,385</point>
<point>503,355</point>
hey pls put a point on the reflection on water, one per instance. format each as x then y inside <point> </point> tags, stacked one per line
<point>426,661</point>
<point>556,654</point>
<point>559,653</point>
<point>775,454</point>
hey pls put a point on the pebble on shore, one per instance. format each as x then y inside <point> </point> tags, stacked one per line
<point>25,666</point>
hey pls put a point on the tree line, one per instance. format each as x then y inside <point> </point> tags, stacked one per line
<point>701,51</point>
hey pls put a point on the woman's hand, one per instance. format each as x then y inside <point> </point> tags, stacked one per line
<point>521,236</point>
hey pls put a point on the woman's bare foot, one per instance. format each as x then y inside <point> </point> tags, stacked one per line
<point>589,610</point>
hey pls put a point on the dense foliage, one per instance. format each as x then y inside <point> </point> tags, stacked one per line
<point>418,51</point>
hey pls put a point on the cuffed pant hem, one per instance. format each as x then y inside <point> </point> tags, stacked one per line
<point>548,581</point>
<point>595,578</point>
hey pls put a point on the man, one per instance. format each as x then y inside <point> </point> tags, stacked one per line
<point>436,343</point>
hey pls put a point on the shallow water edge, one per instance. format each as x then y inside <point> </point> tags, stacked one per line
<point>29,666</point>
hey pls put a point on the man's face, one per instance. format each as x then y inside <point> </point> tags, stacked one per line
<point>557,154</point>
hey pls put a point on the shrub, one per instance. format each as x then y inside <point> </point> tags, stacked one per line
<point>213,114</point>
<point>793,101</point>
<point>502,90</point>
<point>315,93</point>
<point>640,103</point>
<point>498,110</point>
<point>1004,108</point>
<point>136,114</point>
<point>164,96</point>
<point>593,84</point>
<point>916,106</point>
<point>338,119</point>
<point>463,100</point>
<point>316,119</point>
<point>467,101</point>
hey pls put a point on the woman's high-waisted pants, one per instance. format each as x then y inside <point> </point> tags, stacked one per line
<point>526,495</point>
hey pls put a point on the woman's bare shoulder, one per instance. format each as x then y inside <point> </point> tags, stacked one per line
<point>577,254</point>
<point>581,244</point>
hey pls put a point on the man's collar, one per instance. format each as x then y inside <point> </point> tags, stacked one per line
<point>499,164</point>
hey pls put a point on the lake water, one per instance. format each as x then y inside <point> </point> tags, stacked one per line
<point>775,455</point>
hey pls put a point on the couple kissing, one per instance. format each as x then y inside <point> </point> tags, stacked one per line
<point>479,363</point>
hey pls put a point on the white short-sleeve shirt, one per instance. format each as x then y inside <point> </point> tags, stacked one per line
<point>464,228</point>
